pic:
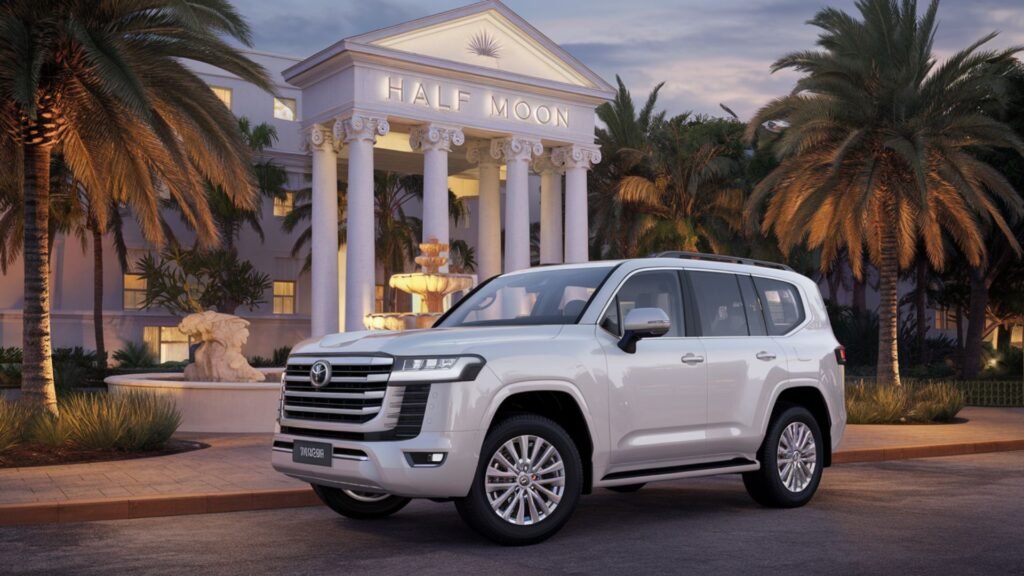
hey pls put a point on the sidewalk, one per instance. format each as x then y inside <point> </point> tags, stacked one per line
<point>234,473</point>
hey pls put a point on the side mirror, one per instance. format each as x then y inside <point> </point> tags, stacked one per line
<point>643,323</point>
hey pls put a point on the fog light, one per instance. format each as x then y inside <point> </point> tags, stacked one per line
<point>425,459</point>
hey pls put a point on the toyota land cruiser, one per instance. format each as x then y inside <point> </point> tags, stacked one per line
<point>542,385</point>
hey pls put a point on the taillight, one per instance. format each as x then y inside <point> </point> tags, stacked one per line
<point>841,355</point>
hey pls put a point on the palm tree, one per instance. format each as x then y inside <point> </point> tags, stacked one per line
<point>881,150</point>
<point>694,198</point>
<point>626,146</point>
<point>103,83</point>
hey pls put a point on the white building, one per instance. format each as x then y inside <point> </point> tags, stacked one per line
<point>475,99</point>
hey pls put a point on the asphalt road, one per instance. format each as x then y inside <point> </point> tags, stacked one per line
<point>962,515</point>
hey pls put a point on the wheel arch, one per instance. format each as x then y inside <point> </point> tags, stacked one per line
<point>561,403</point>
<point>811,398</point>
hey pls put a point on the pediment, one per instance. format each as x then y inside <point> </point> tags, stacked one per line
<point>486,35</point>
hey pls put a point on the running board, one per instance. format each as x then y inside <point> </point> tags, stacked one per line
<point>717,467</point>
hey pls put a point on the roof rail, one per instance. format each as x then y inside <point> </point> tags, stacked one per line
<point>720,258</point>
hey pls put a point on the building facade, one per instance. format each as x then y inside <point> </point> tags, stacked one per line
<point>475,99</point>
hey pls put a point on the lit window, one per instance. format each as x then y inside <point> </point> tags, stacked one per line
<point>378,298</point>
<point>945,319</point>
<point>285,109</point>
<point>134,291</point>
<point>167,342</point>
<point>224,94</point>
<point>284,297</point>
<point>284,206</point>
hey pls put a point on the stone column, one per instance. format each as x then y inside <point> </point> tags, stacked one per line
<point>550,209</point>
<point>360,133</point>
<point>517,152</point>
<point>435,142</point>
<point>324,221</point>
<point>488,248</point>
<point>576,160</point>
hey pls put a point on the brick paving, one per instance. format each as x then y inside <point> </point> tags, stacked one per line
<point>237,464</point>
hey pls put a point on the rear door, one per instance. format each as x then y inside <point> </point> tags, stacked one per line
<point>657,395</point>
<point>744,361</point>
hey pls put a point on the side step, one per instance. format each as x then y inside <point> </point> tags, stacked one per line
<point>722,466</point>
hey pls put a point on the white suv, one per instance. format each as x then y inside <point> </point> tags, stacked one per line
<point>544,384</point>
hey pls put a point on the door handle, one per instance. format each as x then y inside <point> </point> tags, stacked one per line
<point>766,356</point>
<point>691,358</point>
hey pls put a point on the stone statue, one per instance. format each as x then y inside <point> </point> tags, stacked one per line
<point>219,358</point>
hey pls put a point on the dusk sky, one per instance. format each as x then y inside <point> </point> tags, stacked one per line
<point>707,51</point>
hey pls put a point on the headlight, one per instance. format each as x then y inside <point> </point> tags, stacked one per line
<point>436,368</point>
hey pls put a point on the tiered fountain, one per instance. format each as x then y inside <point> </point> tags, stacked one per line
<point>430,284</point>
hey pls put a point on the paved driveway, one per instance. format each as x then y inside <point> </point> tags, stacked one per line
<point>959,515</point>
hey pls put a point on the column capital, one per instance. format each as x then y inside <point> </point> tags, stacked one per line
<point>359,127</point>
<point>480,153</point>
<point>544,163</point>
<point>317,137</point>
<point>435,137</point>
<point>576,156</point>
<point>515,148</point>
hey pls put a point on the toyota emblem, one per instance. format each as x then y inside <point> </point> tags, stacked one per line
<point>320,373</point>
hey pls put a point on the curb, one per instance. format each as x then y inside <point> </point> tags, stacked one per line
<point>214,503</point>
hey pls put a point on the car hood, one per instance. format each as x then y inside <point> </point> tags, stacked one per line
<point>424,342</point>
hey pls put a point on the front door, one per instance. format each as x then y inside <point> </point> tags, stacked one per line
<point>658,395</point>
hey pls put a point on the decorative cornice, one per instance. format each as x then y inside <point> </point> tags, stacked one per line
<point>435,137</point>
<point>543,164</point>
<point>576,156</point>
<point>318,137</point>
<point>515,148</point>
<point>359,127</point>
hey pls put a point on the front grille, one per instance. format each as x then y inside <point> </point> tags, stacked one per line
<point>410,421</point>
<point>354,394</point>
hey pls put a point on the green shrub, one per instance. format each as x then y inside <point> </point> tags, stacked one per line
<point>868,403</point>
<point>46,430</point>
<point>10,355</point>
<point>280,357</point>
<point>10,375</point>
<point>130,421</point>
<point>260,362</point>
<point>135,355</point>
<point>13,419</point>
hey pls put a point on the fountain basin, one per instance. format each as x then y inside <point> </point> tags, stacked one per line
<point>399,321</point>
<point>228,407</point>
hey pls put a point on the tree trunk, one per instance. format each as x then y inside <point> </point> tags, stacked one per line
<point>921,308</point>
<point>37,389</point>
<point>959,328</point>
<point>975,324</point>
<point>97,295</point>
<point>888,369</point>
<point>859,302</point>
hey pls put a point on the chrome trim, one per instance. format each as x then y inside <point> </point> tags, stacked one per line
<point>336,456</point>
<point>368,395</point>
<point>341,379</point>
<point>342,360</point>
<point>346,411</point>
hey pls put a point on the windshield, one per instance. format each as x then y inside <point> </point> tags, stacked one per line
<point>534,298</point>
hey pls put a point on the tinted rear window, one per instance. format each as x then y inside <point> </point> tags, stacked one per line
<point>783,309</point>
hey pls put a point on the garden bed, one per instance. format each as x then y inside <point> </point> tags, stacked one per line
<point>31,455</point>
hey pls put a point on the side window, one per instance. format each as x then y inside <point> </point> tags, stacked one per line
<point>783,309</point>
<point>719,304</point>
<point>755,317</point>
<point>654,289</point>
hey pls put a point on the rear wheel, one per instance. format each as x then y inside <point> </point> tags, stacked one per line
<point>628,488</point>
<point>527,483</point>
<point>792,457</point>
<point>359,504</point>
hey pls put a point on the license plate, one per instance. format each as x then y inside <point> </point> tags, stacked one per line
<point>316,453</point>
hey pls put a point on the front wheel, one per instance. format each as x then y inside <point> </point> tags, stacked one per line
<point>527,482</point>
<point>358,504</point>
<point>792,457</point>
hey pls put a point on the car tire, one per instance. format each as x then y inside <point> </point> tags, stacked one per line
<point>359,505</point>
<point>533,499</point>
<point>628,488</point>
<point>792,456</point>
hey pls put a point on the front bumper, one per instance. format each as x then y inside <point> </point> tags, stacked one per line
<point>383,467</point>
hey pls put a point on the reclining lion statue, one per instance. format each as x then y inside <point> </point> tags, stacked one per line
<point>219,358</point>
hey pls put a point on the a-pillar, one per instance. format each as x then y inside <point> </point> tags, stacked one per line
<point>517,152</point>
<point>360,133</point>
<point>488,248</point>
<point>550,209</point>
<point>576,160</point>
<point>324,221</point>
<point>435,142</point>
